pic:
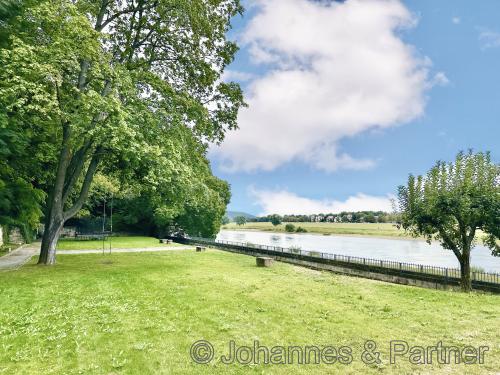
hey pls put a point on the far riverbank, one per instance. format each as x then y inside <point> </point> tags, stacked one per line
<point>378,230</point>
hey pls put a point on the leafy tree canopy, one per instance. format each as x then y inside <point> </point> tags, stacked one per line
<point>452,202</point>
<point>275,219</point>
<point>240,220</point>
<point>124,88</point>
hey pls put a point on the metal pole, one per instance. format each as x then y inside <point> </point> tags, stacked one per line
<point>103,215</point>
<point>103,224</point>
<point>111,218</point>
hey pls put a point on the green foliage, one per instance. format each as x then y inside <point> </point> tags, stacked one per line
<point>20,202</point>
<point>225,220</point>
<point>343,217</point>
<point>452,202</point>
<point>240,220</point>
<point>275,219</point>
<point>129,89</point>
<point>370,218</point>
<point>290,228</point>
<point>301,230</point>
<point>8,10</point>
<point>192,203</point>
<point>185,198</point>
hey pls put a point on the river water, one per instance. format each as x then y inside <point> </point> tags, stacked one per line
<point>399,250</point>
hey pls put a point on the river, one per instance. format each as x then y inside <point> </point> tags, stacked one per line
<point>400,250</point>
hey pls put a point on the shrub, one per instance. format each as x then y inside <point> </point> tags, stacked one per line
<point>290,228</point>
<point>301,230</point>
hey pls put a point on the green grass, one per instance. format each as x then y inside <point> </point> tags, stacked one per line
<point>382,230</point>
<point>119,242</point>
<point>140,313</point>
<point>357,229</point>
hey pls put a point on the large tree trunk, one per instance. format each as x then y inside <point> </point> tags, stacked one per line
<point>465,281</point>
<point>53,226</point>
<point>56,216</point>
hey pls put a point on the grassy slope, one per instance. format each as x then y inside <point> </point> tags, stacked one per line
<point>362,229</point>
<point>141,313</point>
<point>125,242</point>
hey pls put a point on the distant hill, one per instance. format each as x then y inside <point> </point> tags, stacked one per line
<point>232,214</point>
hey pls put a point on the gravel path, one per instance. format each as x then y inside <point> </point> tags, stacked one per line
<point>18,257</point>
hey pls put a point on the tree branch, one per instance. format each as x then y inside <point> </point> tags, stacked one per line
<point>82,76</point>
<point>85,187</point>
<point>450,243</point>
<point>75,169</point>
<point>472,234</point>
<point>100,16</point>
<point>122,12</point>
<point>62,164</point>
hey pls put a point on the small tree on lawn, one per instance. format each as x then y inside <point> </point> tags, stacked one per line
<point>240,220</point>
<point>275,219</point>
<point>451,203</point>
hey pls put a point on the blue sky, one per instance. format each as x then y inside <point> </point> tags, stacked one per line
<point>347,99</point>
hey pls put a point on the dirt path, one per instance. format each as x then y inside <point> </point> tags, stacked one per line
<point>18,257</point>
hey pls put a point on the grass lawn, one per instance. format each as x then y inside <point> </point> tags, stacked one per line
<point>140,313</point>
<point>358,229</point>
<point>118,242</point>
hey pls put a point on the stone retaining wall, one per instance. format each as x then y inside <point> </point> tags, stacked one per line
<point>15,236</point>
<point>397,279</point>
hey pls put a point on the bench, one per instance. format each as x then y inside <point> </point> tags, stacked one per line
<point>165,240</point>
<point>264,261</point>
<point>200,248</point>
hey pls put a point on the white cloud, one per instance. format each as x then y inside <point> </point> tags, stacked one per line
<point>456,20</point>
<point>334,70</point>
<point>489,39</point>
<point>284,202</point>
<point>440,79</point>
<point>325,157</point>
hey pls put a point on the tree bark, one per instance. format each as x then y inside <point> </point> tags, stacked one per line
<point>56,216</point>
<point>53,226</point>
<point>465,282</point>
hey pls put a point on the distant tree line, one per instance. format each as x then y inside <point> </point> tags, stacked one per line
<point>343,217</point>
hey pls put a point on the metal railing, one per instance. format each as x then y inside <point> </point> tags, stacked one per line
<point>403,267</point>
